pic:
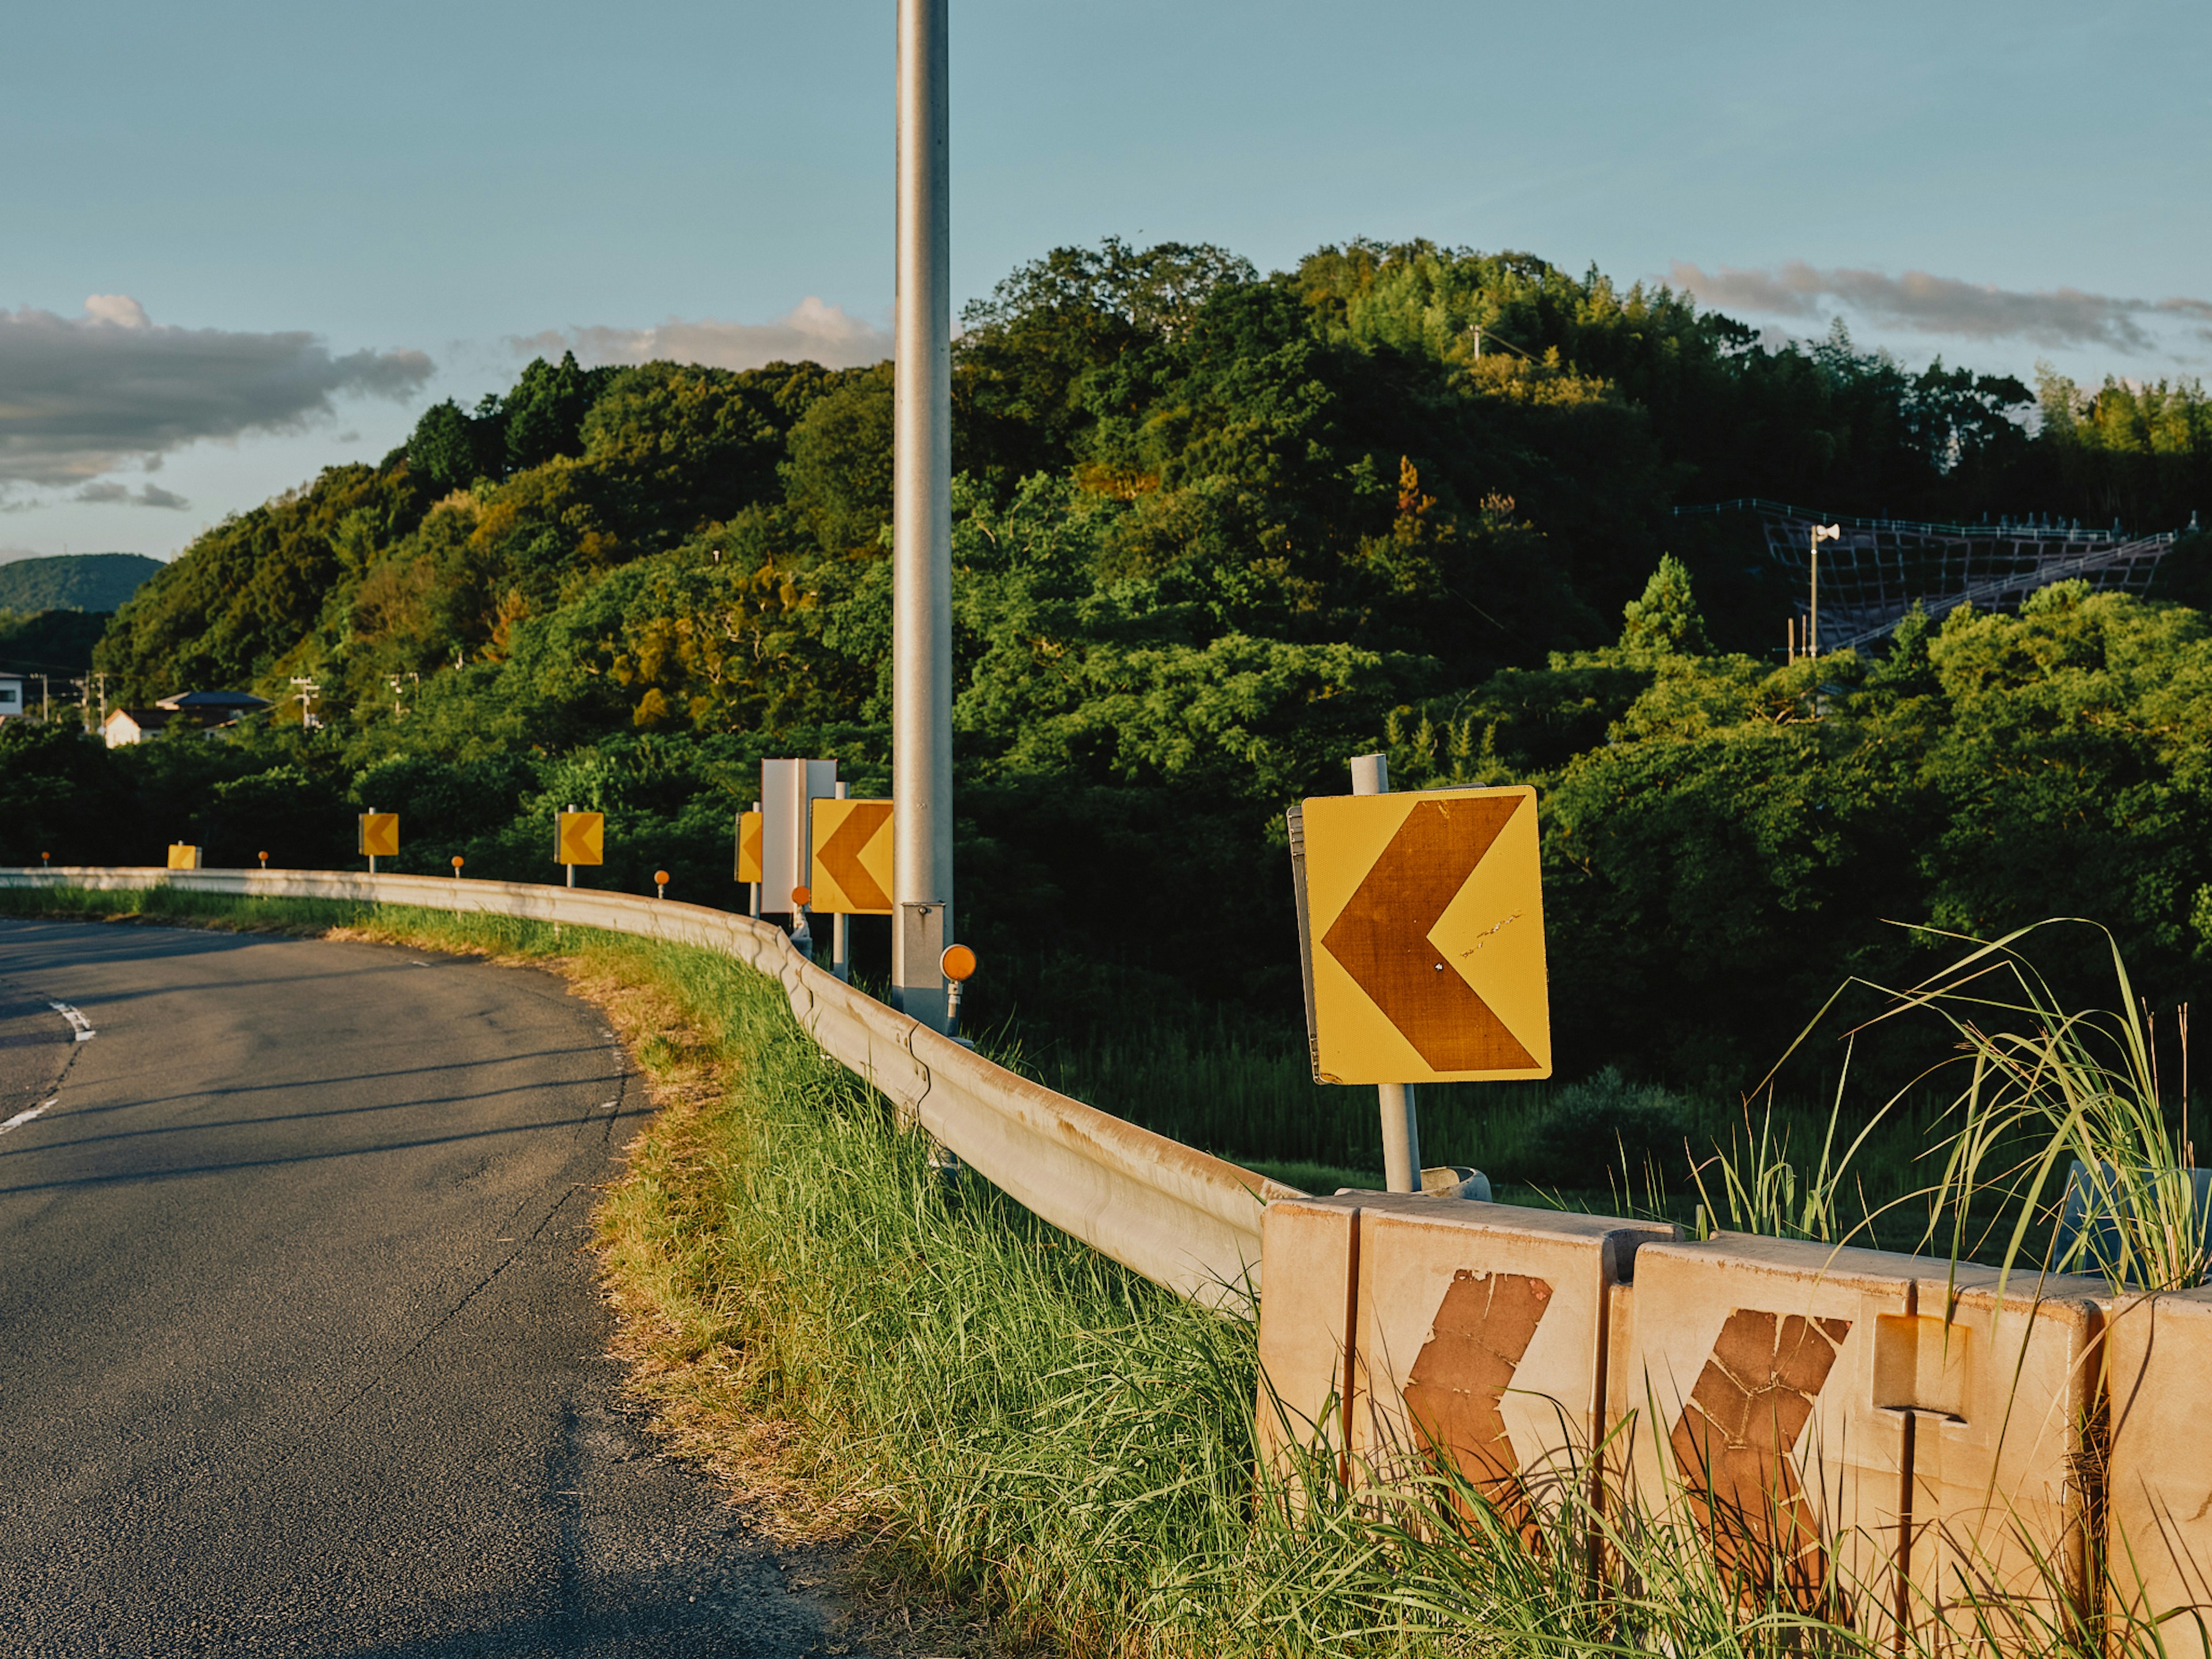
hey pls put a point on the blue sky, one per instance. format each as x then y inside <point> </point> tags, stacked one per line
<point>307,222</point>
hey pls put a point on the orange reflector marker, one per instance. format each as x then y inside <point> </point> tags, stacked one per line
<point>660,881</point>
<point>802,896</point>
<point>957,964</point>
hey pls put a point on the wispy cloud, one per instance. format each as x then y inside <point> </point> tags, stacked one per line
<point>811,331</point>
<point>1927,304</point>
<point>83,396</point>
<point>106,494</point>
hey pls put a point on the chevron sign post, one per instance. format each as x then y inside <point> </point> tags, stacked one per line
<point>850,874</point>
<point>850,871</point>
<point>1421,934</point>
<point>579,838</point>
<point>751,868</point>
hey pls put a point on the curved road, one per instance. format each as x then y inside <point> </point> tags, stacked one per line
<point>298,1348</point>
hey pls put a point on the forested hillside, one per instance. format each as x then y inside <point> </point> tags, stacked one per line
<point>1216,532</point>
<point>73,581</point>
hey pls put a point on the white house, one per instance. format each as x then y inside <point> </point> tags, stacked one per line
<point>128,725</point>
<point>200,710</point>
<point>13,706</point>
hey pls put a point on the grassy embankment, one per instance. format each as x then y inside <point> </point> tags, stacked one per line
<point>1017,1427</point>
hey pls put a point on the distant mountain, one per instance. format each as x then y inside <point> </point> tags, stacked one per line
<point>73,581</point>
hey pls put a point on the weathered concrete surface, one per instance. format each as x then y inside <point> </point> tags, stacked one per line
<point>299,1345</point>
<point>1476,1329</point>
<point>2158,1522</point>
<point>1863,1435</point>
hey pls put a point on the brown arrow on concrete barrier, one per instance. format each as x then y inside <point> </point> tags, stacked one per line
<point>1382,936</point>
<point>1480,1333</point>
<point>1732,1448</point>
<point>841,856</point>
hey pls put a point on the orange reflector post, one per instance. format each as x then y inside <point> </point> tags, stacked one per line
<point>957,964</point>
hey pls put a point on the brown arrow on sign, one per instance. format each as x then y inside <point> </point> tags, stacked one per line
<point>841,856</point>
<point>1382,936</point>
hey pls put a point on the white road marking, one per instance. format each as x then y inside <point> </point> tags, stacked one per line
<point>21,1118</point>
<point>78,1023</point>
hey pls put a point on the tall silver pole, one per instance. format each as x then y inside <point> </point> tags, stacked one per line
<point>921,514</point>
<point>1402,1128</point>
<point>1812,613</point>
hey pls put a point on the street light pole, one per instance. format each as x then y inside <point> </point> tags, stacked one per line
<point>1821,532</point>
<point>921,518</point>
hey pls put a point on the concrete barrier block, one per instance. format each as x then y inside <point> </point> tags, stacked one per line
<point>1748,1394</point>
<point>2158,1519</point>
<point>1864,1436</point>
<point>1475,1330</point>
<point>1481,1334</point>
<point>1307,1250</point>
<point>1999,1380</point>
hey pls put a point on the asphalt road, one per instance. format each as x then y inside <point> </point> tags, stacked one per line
<point>298,1348</point>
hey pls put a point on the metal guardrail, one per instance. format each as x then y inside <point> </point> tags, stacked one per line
<point>1180,1218</point>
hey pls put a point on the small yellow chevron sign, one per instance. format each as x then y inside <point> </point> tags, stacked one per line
<point>579,838</point>
<point>182,857</point>
<point>749,846</point>
<point>852,873</point>
<point>380,835</point>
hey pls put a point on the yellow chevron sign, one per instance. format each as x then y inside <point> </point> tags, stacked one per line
<point>380,835</point>
<point>851,869</point>
<point>182,857</point>
<point>579,838</point>
<point>1424,931</point>
<point>749,846</point>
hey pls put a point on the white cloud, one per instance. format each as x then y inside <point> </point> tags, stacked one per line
<point>120,309</point>
<point>82,396</point>
<point>811,331</point>
<point>1927,304</point>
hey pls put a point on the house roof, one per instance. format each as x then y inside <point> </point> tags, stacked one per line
<point>146,719</point>
<point>213,699</point>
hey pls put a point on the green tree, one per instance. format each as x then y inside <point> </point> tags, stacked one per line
<point>1666,618</point>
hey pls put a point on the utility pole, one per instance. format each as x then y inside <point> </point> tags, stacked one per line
<point>921,514</point>
<point>306,690</point>
<point>1821,532</point>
